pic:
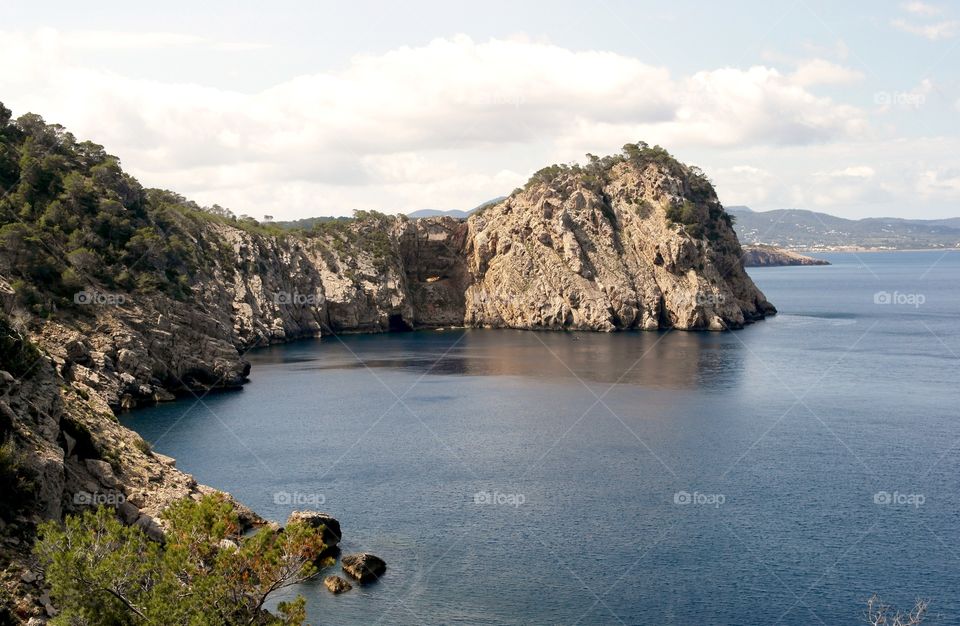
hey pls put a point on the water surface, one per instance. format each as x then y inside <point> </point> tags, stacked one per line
<point>779,474</point>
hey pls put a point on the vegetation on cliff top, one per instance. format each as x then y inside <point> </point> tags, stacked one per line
<point>71,219</point>
<point>205,573</point>
<point>700,213</point>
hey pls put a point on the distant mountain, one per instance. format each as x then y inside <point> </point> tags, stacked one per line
<point>457,213</point>
<point>802,229</point>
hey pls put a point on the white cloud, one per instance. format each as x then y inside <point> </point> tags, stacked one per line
<point>921,8</point>
<point>938,30</point>
<point>118,40</point>
<point>823,72</point>
<point>744,184</point>
<point>853,171</point>
<point>940,182</point>
<point>456,119</point>
<point>455,122</point>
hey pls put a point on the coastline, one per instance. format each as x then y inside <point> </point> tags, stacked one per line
<point>868,250</point>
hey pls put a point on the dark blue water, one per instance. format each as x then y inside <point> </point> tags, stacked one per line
<point>634,478</point>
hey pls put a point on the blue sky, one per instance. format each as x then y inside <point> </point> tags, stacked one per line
<point>323,108</point>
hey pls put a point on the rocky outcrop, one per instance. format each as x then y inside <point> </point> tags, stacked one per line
<point>572,255</point>
<point>323,522</point>
<point>336,584</point>
<point>771,256</point>
<point>363,567</point>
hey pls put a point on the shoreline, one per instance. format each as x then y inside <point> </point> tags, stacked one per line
<point>867,250</point>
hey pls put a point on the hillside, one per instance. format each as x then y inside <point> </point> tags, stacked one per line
<point>801,229</point>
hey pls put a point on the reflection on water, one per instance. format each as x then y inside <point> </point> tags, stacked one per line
<point>662,360</point>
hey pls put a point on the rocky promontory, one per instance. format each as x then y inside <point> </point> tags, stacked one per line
<point>759,255</point>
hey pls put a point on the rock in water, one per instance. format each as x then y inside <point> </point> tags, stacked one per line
<point>363,566</point>
<point>336,584</point>
<point>318,520</point>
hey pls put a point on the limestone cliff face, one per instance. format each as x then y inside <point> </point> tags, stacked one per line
<point>571,255</point>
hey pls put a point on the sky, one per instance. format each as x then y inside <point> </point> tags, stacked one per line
<point>323,108</point>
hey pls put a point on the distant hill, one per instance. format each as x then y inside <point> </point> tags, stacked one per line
<point>308,222</point>
<point>457,213</point>
<point>802,229</point>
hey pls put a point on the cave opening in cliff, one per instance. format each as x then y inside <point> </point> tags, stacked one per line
<point>397,324</point>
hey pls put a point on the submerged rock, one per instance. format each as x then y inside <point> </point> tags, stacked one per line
<point>363,566</point>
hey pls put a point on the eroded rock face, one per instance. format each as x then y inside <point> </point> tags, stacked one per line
<point>568,255</point>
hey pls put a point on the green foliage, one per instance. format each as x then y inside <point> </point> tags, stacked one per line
<point>205,573</point>
<point>144,446</point>
<point>366,231</point>
<point>596,172</point>
<point>642,155</point>
<point>17,355</point>
<point>16,487</point>
<point>700,220</point>
<point>71,219</point>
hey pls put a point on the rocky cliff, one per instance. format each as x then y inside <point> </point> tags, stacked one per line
<point>608,249</point>
<point>115,296</point>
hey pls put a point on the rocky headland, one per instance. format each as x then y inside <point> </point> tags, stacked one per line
<point>759,255</point>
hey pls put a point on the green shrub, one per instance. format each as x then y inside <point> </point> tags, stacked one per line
<point>103,572</point>
<point>16,487</point>
<point>17,355</point>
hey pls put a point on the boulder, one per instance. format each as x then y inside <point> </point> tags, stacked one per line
<point>102,471</point>
<point>316,520</point>
<point>363,566</point>
<point>150,526</point>
<point>336,584</point>
<point>128,512</point>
